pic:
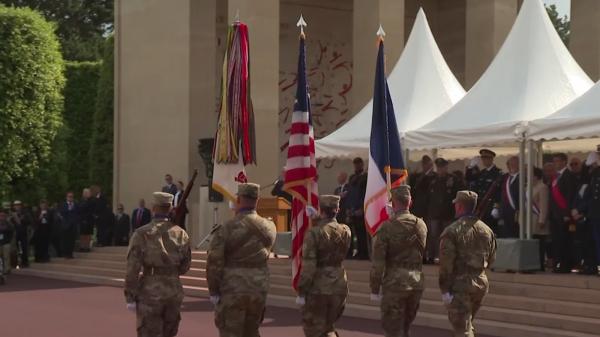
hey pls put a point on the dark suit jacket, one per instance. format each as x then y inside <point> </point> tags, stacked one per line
<point>146,217</point>
<point>567,185</point>
<point>69,218</point>
<point>513,190</point>
<point>122,229</point>
<point>170,189</point>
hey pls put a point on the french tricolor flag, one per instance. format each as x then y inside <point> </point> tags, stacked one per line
<point>386,165</point>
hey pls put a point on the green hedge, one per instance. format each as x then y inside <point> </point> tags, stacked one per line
<point>101,150</point>
<point>31,100</point>
<point>80,105</point>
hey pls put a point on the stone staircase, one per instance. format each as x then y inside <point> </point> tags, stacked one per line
<point>519,305</point>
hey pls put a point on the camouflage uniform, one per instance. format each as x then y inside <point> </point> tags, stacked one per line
<point>161,249</point>
<point>467,248</point>
<point>396,273</point>
<point>237,270</point>
<point>323,281</point>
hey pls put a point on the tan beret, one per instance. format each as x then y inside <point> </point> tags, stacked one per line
<point>329,201</point>
<point>401,191</point>
<point>162,199</point>
<point>468,196</point>
<point>248,190</point>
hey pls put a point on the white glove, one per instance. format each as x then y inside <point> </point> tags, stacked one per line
<point>375,297</point>
<point>300,301</point>
<point>474,162</point>
<point>215,299</point>
<point>232,205</point>
<point>447,298</point>
<point>311,211</point>
<point>592,158</point>
<point>389,209</point>
<point>496,213</point>
<point>131,307</point>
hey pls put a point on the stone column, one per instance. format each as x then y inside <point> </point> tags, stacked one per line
<point>262,18</point>
<point>585,35</point>
<point>488,22</point>
<point>368,14</point>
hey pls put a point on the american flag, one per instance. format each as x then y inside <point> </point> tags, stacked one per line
<point>301,167</point>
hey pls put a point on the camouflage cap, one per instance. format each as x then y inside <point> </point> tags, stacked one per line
<point>248,190</point>
<point>329,201</point>
<point>465,196</point>
<point>162,199</point>
<point>401,191</point>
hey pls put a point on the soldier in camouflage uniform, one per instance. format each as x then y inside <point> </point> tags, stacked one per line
<point>161,250</point>
<point>236,270</point>
<point>396,273</point>
<point>467,248</point>
<point>323,286</point>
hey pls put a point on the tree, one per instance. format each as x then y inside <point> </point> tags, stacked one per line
<point>562,24</point>
<point>101,150</point>
<point>82,24</point>
<point>80,105</point>
<point>31,100</point>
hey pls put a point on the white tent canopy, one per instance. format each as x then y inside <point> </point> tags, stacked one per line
<point>579,119</point>
<point>422,87</point>
<point>532,76</point>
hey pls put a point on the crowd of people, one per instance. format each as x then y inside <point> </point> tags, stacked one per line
<point>565,205</point>
<point>58,230</point>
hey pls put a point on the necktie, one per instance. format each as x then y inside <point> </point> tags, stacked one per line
<point>139,217</point>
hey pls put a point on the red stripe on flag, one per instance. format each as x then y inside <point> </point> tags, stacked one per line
<point>302,128</point>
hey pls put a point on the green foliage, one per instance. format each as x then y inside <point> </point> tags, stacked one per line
<point>31,100</point>
<point>562,24</point>
<point>82,24</point>
<point>101,150</point>
<point>80,105</point>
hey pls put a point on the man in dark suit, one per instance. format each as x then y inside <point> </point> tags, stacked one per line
<point>140,216</point>
<point>122,227</point>
<point>103,217</point>
<point>481,181</point>
<point>342,191</point>
<point>69,216</point>
<point>169,187</point>
<point>357,188</point>
<point>562,194</point>
<point>507,210</point>
<point>419,187</point>
<point>177,202</point>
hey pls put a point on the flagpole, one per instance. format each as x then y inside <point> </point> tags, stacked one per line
<point>387,168</point>
<point>301,23</point>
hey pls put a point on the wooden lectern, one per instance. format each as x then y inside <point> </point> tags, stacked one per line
<point>277,209</point>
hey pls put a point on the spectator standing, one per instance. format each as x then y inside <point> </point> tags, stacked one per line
<point>278,191</point>
<point>140,216</point>
<point>419,184</point>
<point>6,236</point>
<point>177,203</point>
<point>86,225</point>
<point>122,227</point>
<point>593,198</point>
<point>549,171</point>
<point>562,191</point>
<point>169,187</point>
<point>23,223</point>
<point>357,188</point>
<point>103,217</point>
<point>507,210</point>
<point>481,181</point>
<point>440,209</point>
<point>69,215</point>
<point>342,191</point>
<point>540,199</point>
<point>44,222</point>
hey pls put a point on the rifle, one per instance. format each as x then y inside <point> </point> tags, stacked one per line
<point>482,206</point>
<point>181,207</point>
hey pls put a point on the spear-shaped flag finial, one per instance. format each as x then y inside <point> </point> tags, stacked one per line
<point>237,16</point>
<point>380,32</point>
<point>301,23</point>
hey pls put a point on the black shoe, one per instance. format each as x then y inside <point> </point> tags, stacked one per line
<point>588,271</point>
<point>561,271</point>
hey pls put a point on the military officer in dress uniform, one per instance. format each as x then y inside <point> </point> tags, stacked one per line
<point>236,267</point>
<point>481,181</point>
<point>397,279</point>
<point>419,184</point>
<point>592,210</point>
<point>323,287</point>
<point>161,250</point>
<point>440,210</point>
<point>467,248</point>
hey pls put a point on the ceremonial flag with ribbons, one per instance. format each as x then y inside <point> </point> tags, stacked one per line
<point>235,139</point>
<point>386,165</point>
<point>301,167</point>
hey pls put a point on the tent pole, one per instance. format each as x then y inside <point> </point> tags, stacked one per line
<point>528,206</point>
<point>521,189</point>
